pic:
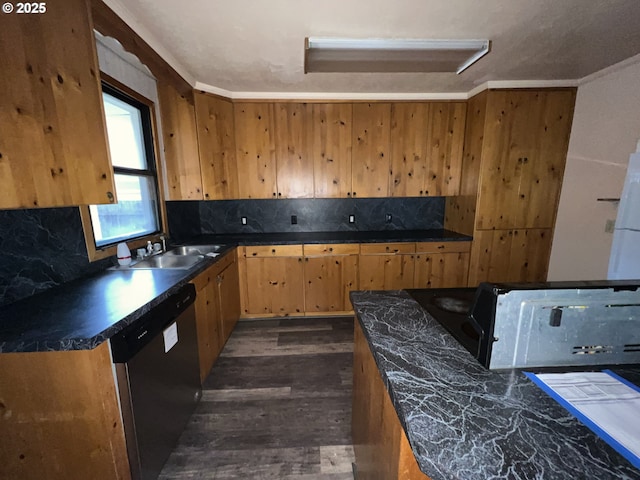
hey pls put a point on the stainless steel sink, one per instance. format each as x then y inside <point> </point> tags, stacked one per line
<point>195,250</point>
<point>170,261</point>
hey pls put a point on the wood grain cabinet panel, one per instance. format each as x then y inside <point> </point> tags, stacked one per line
<point>409,131</point>
<point>53,147</point>
<point>426,148</point>
<point>445,141</point>
<point>519,255</point>
<point>256,151</point>
<point>229,294</point>
<point>294,164</point>
<point>208,323</point>
<point>380,444</point>
<point>370,163</point>
<point>386,272</point>
<point>330,148</point>
<point>60,416</point>
<point>217,308</point>
<point>217,147</point>
<point>275,286</point>
<point>525,144</point>
<point>329,277</point>
<point>441,265</point>
<point>179,133</point>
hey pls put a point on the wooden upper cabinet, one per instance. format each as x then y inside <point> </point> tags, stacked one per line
<point>445,143</point>
<point>53,146</point>
<point>330,148</point>
<point>426,148</point>
<point>256,151</point>
<point>181,157</point>
<point>523,157</point>
<point>216,143</point>
<point>294,164</point>
<point>370,162</point>
<point>409,129</point>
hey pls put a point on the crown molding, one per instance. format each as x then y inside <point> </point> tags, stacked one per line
<point>610,69</point>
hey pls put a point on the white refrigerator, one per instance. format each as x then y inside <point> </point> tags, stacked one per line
<point>624,261</point>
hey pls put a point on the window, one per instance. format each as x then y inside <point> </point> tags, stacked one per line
<point>130,141</point>
<point>138,212</point>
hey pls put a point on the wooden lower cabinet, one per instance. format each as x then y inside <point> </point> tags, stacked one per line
<point>381,447</point>
<point>281,280</point>
<point>217,309</point>
<point>59,416</point>
<point>330,273</point>
<point>388,266</point>
<point>510,255</point>
<point>441,265</point>
<point>274,280</point>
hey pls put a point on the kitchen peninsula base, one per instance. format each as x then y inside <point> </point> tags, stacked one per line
<point>381,447</point>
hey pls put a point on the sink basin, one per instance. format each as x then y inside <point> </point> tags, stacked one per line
<point>195,250</point>
<point>170,261</point>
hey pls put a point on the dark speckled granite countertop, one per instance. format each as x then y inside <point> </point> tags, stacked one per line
<point>84,313</point>
<point>466,422</point>
<point>334,237</point>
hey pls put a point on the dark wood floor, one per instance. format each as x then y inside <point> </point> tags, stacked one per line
<point>277,405</point>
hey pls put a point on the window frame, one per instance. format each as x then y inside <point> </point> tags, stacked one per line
<point>152,152</point>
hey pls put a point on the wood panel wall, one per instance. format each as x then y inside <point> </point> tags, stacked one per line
<point>65,401</point>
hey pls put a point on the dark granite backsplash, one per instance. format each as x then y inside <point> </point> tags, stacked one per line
<point>43,248</point>
<point>40,249</point>
<point>313,215</point>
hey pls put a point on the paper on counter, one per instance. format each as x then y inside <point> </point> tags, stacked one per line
<point>603,401</point>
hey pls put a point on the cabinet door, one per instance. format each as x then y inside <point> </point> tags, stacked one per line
<point>179,134</point>
<point>510,256</point>
<point>229,300</point>
<point>208,323</point>
<point>255,147</point>
<point>53,147</point>
<point>294,164</point>
<point>330,147</point>
<point>371,150</point>
<point>328,279</point>
<point>275,285</point>
<point>409,128</point>
<point>441,270</point>
<point>386,272</point>
<point>216,143</point>
<point>445,143</point>
<point>524,152</point>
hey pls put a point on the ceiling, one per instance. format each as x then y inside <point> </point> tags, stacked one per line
<point>256,48</point>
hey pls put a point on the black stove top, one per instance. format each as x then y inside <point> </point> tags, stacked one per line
<point>451,307</point>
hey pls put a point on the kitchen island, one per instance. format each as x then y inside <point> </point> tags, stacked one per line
<point>425,408</point>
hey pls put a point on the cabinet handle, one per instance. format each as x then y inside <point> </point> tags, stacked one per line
<point>279,194</point>
<point>273,250</point>
<point>330,249</point>
<point>354,194</point>
<point>348,194</point>
<point>110,197</point>
<point>274,194</point>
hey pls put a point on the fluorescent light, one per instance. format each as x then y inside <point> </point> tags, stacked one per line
<point>391,55</point>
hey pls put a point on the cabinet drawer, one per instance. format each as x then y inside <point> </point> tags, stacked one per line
<point>387,248</point>
<point>442,247</point>
<point>332,249</point>
<point>274,251</point>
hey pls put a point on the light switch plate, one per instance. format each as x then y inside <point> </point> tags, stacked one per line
<point>243,220</point>
<point>352,219</point>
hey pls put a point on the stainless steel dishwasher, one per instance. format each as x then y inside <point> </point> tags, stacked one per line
<point>157,371</point>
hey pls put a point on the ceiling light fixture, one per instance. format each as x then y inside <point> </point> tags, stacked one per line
<point>391,55</point>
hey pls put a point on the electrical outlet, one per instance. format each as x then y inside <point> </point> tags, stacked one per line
<point>388,217</point>
<point>294,219</point>
<point>609,226</point>
<point>352,219</point>
<point>243,220</point>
